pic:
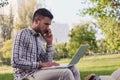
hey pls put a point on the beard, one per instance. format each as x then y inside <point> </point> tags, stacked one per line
<point>37,29</point>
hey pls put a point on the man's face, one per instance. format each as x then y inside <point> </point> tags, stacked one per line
<point>43,25</point>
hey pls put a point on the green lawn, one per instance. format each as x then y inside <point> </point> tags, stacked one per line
<point>6,73</point>
<point>100,65</point>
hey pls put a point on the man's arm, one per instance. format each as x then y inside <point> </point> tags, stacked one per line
<point>49,38</point>
<point>49,51</point>
<point>18,61</point>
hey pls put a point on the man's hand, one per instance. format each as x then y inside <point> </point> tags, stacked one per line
<point>48,37</point>
<point>48,64</point>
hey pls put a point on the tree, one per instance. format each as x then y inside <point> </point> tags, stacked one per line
<point>6,23</point>
<point>108,15</point>
<point>111,29</point>
<point>6,51</point>
<point>80,34</point>
<point>102,8</point>
<point>102,48</point>
<point>60,51</point>
<point>25,13</point>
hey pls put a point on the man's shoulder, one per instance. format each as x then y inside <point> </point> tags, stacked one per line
<point>23,31</point>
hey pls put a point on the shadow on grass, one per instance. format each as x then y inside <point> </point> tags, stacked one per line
<point>105,72</point>
<point>6,76</point>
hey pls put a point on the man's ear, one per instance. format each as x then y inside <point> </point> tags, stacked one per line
<point>36,20</point>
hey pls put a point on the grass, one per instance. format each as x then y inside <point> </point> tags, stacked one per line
<point>6,73</point>
<point>100,65</point>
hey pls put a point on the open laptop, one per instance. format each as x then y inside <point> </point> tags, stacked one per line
<point>79,53</point>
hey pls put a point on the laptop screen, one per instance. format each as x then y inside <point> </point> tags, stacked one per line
<point>80,52</point>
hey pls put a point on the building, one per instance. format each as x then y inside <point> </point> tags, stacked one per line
<point>60,32</point>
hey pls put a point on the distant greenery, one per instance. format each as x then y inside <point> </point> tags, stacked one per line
<point>107,14</point>
<point>6,25</point>
<point>60,51</point>
<point>6,51</point>
<point>25,15</point>
<point>100,65</point>
<point>81,34</point>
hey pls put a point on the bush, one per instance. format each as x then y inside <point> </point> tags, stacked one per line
<point>60,51</point>
<point>6,52</point>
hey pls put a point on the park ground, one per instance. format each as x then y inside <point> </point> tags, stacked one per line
<point>100,65</point>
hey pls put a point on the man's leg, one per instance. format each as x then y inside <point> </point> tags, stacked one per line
<point>53,74</point>
<point>75,72</point>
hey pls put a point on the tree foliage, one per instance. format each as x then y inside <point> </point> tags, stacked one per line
<point>60,51</point>
<point>102,8</point>
<point>80,34</point>
<point>25,14</point>
<point>107,12</point>
<point>6,25</point>
<point>6,52</point>
<point>111,29</point>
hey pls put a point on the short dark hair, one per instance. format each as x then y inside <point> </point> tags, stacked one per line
<point>42,12</point>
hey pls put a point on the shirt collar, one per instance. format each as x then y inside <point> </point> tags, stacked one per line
<point>35,34</point>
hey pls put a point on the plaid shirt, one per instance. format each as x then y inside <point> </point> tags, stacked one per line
<point>27,52</point>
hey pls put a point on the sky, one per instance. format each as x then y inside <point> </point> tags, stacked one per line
<point>66,11</point>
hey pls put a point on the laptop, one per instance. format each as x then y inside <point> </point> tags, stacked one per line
<point>79,53</point>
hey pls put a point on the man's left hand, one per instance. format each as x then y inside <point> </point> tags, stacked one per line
<point>48,37</point>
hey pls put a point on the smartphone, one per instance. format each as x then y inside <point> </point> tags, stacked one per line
<point>46,32</point>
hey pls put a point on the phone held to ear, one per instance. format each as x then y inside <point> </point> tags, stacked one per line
<point>46,32</point>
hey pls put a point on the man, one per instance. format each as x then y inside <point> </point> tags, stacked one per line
<point>29,56</point>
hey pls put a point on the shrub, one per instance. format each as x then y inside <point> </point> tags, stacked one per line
<point>6,52</point>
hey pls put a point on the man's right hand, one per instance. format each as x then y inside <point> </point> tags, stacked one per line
<point>48,64</point>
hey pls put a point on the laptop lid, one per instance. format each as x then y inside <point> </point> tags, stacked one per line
<point>80,52</point>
